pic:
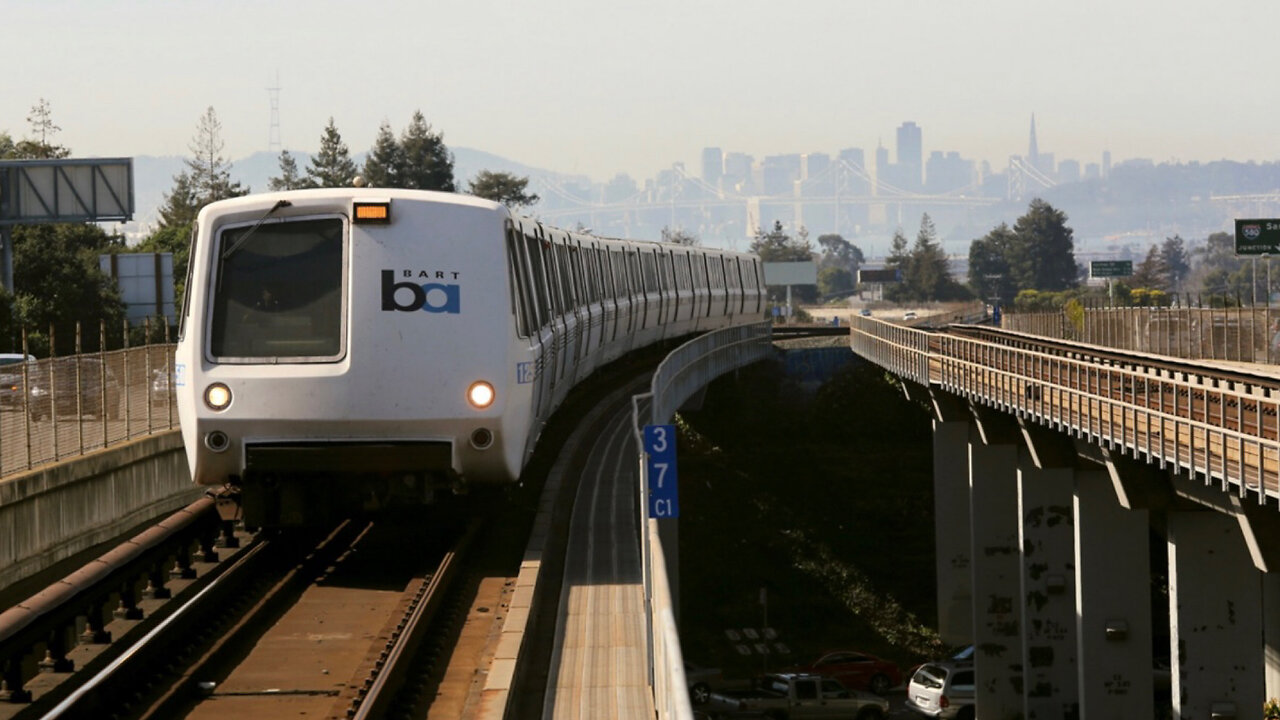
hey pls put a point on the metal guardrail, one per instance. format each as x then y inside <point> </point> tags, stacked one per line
<point>57,408</point>
<point>686,370</point>
<point>1221,429</point>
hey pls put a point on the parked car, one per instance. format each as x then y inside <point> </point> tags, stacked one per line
<point>909,315</point>
<point>855,669</point>
<point>11,380</point>
<point>159,388</point>
<point>700,680</point>
<point>71,385</point>
<point>865,312</point>
<point>797,697</point>
<point>943,689</point>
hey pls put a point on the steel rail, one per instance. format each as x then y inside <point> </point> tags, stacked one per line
<point>41,616</point>
<point>71,702</point>
<point>390,669</point>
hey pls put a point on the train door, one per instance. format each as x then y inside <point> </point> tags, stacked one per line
<point>639,303</point>
<point>734,272</point>
<point>543,336</point>
<point>562,298</point>
<point>525,309</point>
<point>622,283</point>
<point>701,292</point>
<point>671,286</point>
<point>608,306</point>
<point>577,303</point>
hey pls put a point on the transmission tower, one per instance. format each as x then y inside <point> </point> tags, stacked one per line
<point>273,135</point>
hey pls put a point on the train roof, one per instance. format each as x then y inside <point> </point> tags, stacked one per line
<point>301,196</point>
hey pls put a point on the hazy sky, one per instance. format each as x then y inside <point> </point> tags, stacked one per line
<point>600,86</point>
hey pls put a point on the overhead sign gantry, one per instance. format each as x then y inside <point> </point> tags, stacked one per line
<point>62,190</point>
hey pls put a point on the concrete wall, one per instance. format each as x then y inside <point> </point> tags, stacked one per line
<point>51,513</point>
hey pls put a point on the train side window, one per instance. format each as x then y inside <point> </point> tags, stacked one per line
<point>585,265</point>
<point>521,304</point>
<point>616,274</point>
<point>580,277</point>
<point>597,278</point>
<point>556,278</point>
<point>541,285</point>
<point>649,272</point>
<point>634,277</point>
<point>567,278</point>
<point>606,274</point>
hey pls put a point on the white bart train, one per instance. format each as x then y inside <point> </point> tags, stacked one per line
<point>358,345</point>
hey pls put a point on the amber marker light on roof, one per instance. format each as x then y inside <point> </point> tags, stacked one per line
<point>365,211</point>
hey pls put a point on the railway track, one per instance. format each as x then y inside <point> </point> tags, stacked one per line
<point>345,623</point>
<point>326,626</point>
<point>1219,422</point>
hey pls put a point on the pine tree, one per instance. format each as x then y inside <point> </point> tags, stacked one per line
<point>927,276</point>
<point>208,171</point>
<point>1176,262</point>
<point>382,166</point>
<point>898,255</point>
<point>332,166</point>
<point>503,187</point>
<point>41,146</point>
<point>989,274</point>
<point>1044,256</point>
<point>289,179</point>
<point>677,236</point>
<point>1150,273</point>
<point>181,204</point>
<point>426,164</point>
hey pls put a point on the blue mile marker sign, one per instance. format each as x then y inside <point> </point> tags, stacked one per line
<point>660,451</point>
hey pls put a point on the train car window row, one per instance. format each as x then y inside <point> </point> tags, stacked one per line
<point>555,274</point>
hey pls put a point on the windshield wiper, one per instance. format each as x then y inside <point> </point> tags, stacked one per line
<point>222,257</point>
<point>241,240</point>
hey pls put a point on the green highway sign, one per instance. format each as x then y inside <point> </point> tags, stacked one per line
<point>1258,237</point>
<point>1110,268</point>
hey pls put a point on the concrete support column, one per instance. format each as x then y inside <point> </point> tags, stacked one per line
<point>1048,591</point>
<point>951,530</point>
<point>1271,632</point>
<point>997,571</point>
<point>1215,609</point>
<point>1113,603</point>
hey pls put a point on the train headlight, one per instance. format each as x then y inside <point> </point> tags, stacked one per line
<point>217,396</point>
<point>480,394</point>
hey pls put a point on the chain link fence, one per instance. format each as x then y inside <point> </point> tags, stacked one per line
<point>60,407</point>
<point>1239,334</point>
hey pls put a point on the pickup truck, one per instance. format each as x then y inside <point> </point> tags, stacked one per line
<point>796,696</point>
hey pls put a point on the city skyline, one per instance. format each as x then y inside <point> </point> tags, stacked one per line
<point>580,87</point>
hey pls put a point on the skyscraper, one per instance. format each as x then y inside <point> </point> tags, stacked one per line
<point>1033,151</point>
<point>910,156</point>
<point>883,173</point>
<point>712,166</point>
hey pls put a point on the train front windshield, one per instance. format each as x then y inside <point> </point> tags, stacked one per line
<point>278,292</point>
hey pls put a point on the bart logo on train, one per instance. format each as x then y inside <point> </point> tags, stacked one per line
<point>432,297</point>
